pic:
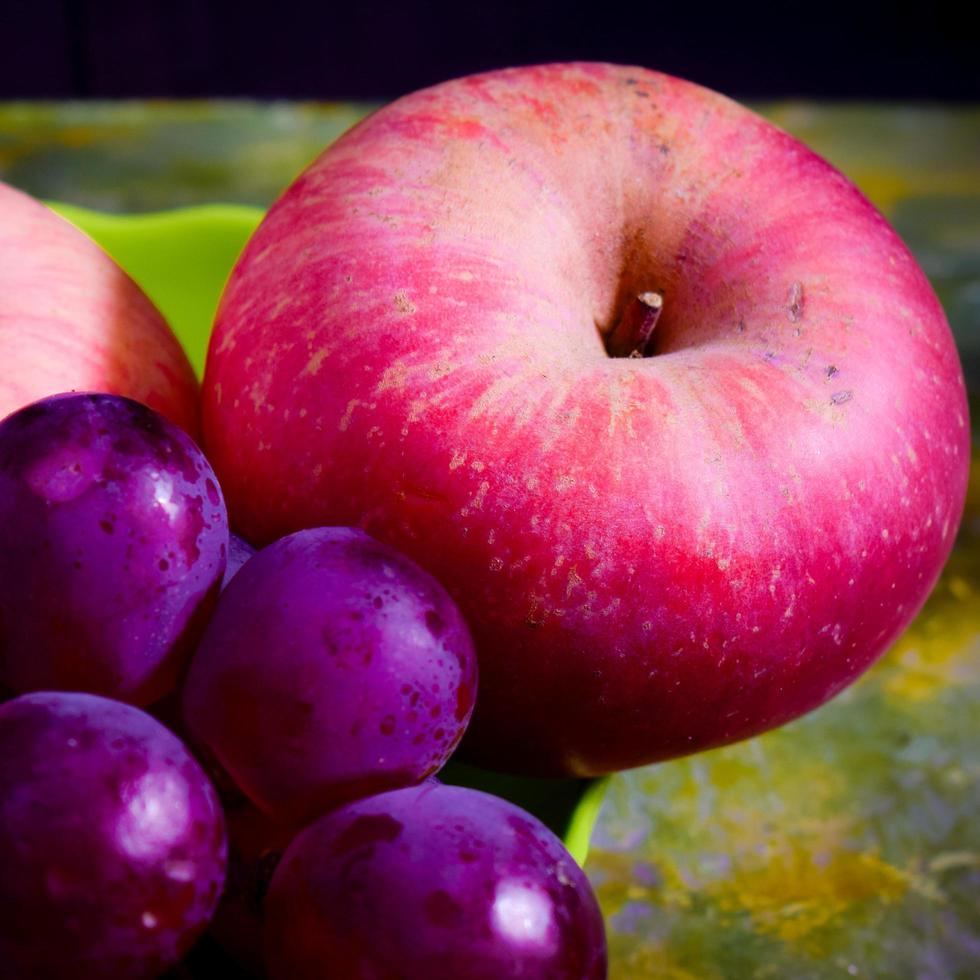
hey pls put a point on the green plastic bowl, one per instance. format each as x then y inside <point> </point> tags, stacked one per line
<point>182,259</point>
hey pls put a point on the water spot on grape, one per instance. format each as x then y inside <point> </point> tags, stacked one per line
<point>111,473</point>
<point>412,716</point>
<point>439,734</point>
<point>187,513</point>
<point>387,726</point>
<point>442,910</point>
<point>523,829</point>
<point>435,623</point>
<point>464,701</point>
<point>179,870</point>
<point>378,602</point>
<point>414,699</point>
<point>467,857</point>
<point>213,494</point>
<point>164,564</point>
<point>435,711</point>
<point>366,831</point>
<point>406,688</point>
<point>63,475</point>
<point>107,526</point>
<point>329,643</point>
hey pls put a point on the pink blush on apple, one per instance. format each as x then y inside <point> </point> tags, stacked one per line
<point>656,554</point>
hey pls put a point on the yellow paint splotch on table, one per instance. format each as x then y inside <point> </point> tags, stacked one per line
<point>793,893</point>
<point>655,962</point>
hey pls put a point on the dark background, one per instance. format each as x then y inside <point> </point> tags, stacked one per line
<point>375,51</point>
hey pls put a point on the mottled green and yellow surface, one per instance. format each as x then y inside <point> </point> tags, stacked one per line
<point>844,844</point>
<point>847,843</point>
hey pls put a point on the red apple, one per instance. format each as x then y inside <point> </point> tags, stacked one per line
<point>656,554</point>
<point>71,319</point>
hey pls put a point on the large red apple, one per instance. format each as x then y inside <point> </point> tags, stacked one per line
<point>71,319</point>
<point>656,554</point>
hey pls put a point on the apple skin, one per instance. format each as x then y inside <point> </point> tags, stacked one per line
<point>655,555</point>
<point>72,320</point>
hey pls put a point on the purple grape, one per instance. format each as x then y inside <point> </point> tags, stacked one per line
<point>432,882</point>
<point>333,667</point>
<point>112,842</point>
<point>113,541</point>
<point>239,552</point>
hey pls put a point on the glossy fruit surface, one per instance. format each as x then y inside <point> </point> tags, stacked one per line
<point>113,540</point>
<point>858,754</point>
<point>72,319</point>
<point>333,667</point>
<point>432,882</point>
<point>657,554</point>
<point>112,842</point>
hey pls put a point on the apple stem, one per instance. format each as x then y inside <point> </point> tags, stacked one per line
<point>631,336</point>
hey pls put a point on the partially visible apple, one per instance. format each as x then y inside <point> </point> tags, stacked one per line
<point>71,319</point>
<point>430,337</point>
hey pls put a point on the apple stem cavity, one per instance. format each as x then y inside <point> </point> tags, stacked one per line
<point>631,335</point>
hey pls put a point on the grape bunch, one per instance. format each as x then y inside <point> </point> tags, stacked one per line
<point>199,736</point>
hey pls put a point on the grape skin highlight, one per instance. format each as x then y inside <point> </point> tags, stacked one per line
<point>333,668</point>
<point>432,882</point>
<point>113,543</point>
<point>112,841</point>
